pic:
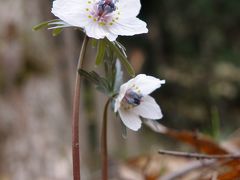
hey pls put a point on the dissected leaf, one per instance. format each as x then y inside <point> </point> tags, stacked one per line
<point>57,31</point>
<point>101,80</point>
<point>40,26</point>
<point>101,83</point>
<point>100,52</point>
<point>118,81</point>
<point>88,76</point>
<point>56,25</point>
<point>44,24</point>
<point>120,46</point>
<point>122,57</point>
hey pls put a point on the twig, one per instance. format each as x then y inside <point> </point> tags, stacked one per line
<point>104,150</point>
<point>198,156</point>
<point>75,116</point>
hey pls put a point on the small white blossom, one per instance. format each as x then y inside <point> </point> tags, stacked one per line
<point>101,18</point>
<point>134,101</point>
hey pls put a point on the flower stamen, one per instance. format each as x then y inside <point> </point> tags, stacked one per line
<point>132,98</point>
<point>105,7</point>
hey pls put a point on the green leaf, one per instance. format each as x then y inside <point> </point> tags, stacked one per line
<point>101,83</point>
<point>118,81</point>
<point>100,52</point>
<point>215,123</point>
<point>88,76</point>
<point>94,42</point>
<point>57,31</point>
<point>44,24</point>
<point>121,47</point>
<point>121,56</point>
<point>40,26</point>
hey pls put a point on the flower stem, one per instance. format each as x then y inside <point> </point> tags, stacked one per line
<point>104,151</point>
<point>75,116</point>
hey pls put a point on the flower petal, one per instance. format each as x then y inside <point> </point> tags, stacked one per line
<point>71,11</point>
<point>81,13</point>
<point>112,37</point>
<point>147,84</point>
<point>129,8</point>
<point>148,109</point>
<point>122,92</point>
<point>94,30</point>
<point>130,120</point>
<point>128,27</point>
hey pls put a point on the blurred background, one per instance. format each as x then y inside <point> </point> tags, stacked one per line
<point>193,45</point>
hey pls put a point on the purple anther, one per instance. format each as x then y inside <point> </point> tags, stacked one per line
<point>106,7</point>
<point>133,98</point>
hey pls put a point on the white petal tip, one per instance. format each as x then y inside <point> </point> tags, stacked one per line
<point>157,117</point>
<point>161,116</point>
<point>162,81</point>
<point>130,120</point>
<point>135,129</point>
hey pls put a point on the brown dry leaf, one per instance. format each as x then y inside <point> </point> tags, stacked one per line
<point>156,167</point>
<point>148,166</point>
<point>151,167</point>
<point>203,144</point>
<point>199,141</point>
<point>234,174</point>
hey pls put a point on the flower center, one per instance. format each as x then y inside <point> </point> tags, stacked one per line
<point>103,12</point>
<point>132,99</point>
<point>105,7</point>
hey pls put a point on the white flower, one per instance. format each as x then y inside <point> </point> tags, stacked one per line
<point>101,18</point>
<point>133,101</point>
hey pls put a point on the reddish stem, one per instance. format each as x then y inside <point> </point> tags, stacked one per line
<point>104,151</point>
<point>75,116</point>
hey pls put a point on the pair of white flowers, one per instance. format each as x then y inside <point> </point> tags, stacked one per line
<point>110,18</point>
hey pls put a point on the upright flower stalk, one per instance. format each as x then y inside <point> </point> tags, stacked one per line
<point>131,103</point>
<point>105,20</point>
<point>104,151</point>
<point>76,115</point>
